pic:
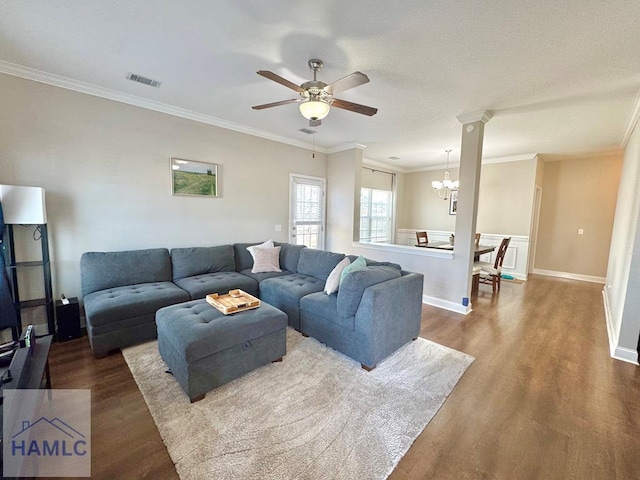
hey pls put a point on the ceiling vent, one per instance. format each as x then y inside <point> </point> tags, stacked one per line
<point>146,81</point>
<point>308,131</point>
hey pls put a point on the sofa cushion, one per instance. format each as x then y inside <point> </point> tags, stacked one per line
<point>354,284</point>
<point>375,263</point>
<point>325,307</point>
<point>259,277</point>
<point>286,291</point>
<point>119,303</point>
<point>188,262</point>
<point>199,286</point>
<point>318,263</point>
<point>102,270</point>
<point>289,256</point>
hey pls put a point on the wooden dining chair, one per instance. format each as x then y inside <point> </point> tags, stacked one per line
<point>485,272</point>
<point>422,238</point>
<point>477,239</point>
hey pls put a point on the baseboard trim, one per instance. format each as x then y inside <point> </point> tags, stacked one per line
<point>609,322</point>
<point>518,276</point>
<point>447,305</point>
<point>619,353</point>
<point>569,275</point>
<point>626,355</point>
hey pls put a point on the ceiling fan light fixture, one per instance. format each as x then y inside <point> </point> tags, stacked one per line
<point>314,109</point>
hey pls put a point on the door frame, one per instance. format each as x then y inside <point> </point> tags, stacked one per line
<point>535,223</point>
<point>323,182</point>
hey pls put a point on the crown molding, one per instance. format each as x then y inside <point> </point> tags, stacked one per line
<point>511,158</point>
<point>480,116</point>
<point>368,162</point>
<point>346,146</point>
<point>631,124</point>
<point>612,152</point>
<point>116,96</point>
<point>485,161</point>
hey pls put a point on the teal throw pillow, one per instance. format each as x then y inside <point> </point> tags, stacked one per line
<point>359,263</point>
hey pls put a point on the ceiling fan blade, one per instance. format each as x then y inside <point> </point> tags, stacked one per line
<point>275,104</point>
<point>345,83</point>
<point>280,80</point>
<point>354,107</point>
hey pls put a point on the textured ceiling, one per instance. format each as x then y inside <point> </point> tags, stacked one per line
<point>560,77</point>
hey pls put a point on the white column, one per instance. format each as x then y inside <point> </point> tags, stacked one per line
<point>470,166</point>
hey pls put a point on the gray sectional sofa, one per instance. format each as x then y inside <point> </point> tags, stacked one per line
<point>375,311</point>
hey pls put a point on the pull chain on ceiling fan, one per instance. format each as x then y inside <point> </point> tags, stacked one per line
<point>316,97</point>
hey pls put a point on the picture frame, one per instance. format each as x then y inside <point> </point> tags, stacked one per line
<point>453,203</point>
<point>194,178</point>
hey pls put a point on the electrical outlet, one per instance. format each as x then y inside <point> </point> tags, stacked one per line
<point>278,228</point>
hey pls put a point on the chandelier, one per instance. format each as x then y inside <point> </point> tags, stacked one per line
<point>444,188</point>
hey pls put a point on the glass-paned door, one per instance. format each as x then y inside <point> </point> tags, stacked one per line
<point>307,211</point>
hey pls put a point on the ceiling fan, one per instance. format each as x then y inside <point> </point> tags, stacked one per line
<point>316,98</point>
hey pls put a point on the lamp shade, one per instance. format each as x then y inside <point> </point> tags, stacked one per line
<point>23,205</point>
<point>314,109</point>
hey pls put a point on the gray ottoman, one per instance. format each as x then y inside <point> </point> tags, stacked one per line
<point>205,348</point>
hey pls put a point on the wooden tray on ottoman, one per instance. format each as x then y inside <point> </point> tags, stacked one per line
<point>232,302</point>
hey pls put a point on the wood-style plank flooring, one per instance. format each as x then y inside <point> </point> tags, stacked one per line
<point>543,399</point>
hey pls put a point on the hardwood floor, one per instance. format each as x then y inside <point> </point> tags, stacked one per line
<point>125,440</point>
<point>543,399</point>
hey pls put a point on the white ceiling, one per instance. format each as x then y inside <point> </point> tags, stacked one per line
<point>560,77</point>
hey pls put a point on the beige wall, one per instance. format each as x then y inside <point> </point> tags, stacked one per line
<point>504,204</point>
<point>506,197</point>
<point>577,193</point>
<point>105,169</point>
<point>344,176</point>
<point>402,205</point>
<point>422,210</point>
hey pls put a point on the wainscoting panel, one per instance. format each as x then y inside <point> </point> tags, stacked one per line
<point>515,261</point>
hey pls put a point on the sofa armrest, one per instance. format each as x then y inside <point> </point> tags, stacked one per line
<point>354,284</point>
<point>389,315</point>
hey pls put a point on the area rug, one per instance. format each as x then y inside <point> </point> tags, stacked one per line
<point>315,415</point>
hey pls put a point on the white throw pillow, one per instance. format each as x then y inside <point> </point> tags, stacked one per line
<point>265,259</point>
<point>333,280</point>
<point>267,244</point>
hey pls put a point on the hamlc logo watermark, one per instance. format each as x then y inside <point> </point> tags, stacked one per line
<point>47,433</point>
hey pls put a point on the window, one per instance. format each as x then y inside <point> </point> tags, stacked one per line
<point>375,215</point>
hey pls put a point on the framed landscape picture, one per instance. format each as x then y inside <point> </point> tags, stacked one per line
<point>189,177</point>
<point>453,203</point>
